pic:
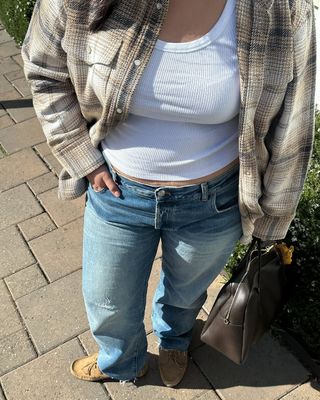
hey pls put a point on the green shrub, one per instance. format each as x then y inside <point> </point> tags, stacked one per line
<point>301,314</point>
<point>15,16</point>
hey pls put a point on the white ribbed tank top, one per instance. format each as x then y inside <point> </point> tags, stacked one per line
<point>183,117</point>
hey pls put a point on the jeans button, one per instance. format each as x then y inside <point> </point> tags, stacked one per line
<point>161,193</point>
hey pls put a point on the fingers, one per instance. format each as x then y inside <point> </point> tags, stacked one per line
<point>101,178</point>
<point>111,185</point>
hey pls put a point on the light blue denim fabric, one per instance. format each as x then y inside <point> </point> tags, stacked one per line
<point>198,226</point>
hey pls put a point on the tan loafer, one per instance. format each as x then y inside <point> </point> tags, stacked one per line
<point>172,365</point>
<point>86,368</point>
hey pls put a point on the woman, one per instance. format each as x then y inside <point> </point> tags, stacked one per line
<point>191,122</point>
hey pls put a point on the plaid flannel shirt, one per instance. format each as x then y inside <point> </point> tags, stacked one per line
<point>82,84</point>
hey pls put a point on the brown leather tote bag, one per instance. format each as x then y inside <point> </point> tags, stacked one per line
<point>248,303</point>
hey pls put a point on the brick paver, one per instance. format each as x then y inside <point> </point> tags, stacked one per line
<point>15,253</point>
<point>268,373</point>
<point>25,281</point>
<point>21,135</point>
<point>20,167</point>
<point>18,112</point>
<point>7,64</point>
<point>8,49</point>
<point>307,391</point>
<point>54,313</point>
<point>48,377</point>
<point>61,212</point>
<point>17,204</point>
<point>43,321</point>
<point>15,350</point>
<point>5,121</point>
<point>4,37</point>
<point>36,226</point>
<point>60,252</point>
<point>43,183</point>
<point>10,320</point>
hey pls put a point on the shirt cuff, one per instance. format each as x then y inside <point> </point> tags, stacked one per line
<point>80,157</point>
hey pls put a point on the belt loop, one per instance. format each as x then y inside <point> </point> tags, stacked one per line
<point>204,190</point>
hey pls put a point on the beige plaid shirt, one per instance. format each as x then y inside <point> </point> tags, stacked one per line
<point>82,84</point>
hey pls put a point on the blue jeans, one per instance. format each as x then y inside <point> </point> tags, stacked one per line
<point>199,226</point>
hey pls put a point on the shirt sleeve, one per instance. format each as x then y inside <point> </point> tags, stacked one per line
<point>290,140</point>
<point>54,98</point>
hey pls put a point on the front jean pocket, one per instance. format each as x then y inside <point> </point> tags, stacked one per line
<point>226,198</point>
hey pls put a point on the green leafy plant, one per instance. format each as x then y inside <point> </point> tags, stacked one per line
<point>15,16</point>
<point>301,315</point>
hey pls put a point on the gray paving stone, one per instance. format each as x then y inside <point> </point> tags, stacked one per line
<point>10,321</point>
<point>21,112</point>
<point>5,85</point>
<point>12,75</point>
<point>9,95</point>
<point>151,386</point>
<point>9,49</point>
<point>2,111</point>
<point>159,251</point>
<point>15,254</point>
<point>22,86</point>
<point>22,135</point>
<point>88,342</point>
<point>5,122</point>
<point>307,391</point>
<point>43,149</point>
<point>11,173</point>
<point>269,372</point>
<point>210,395</point>
<point>4,36</point>
<point>18,59</point>
<point>25,281</point>
<point>8,65</point>
<point>36,226</point>
<point>61,212</point>
<point>213,291</point>
<point>60,252</point>
<point>17,204</point>
<point>54,313</point>
<point>33,380</point>
<point>15,350</point>
<point>196,342</point>
<point>43,183</point>
<point>53,163</point>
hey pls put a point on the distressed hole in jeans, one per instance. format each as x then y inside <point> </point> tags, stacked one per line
<point>107,304</point>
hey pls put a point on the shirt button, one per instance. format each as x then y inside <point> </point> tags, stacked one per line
<point>137,62</point>
<point>119,110</point>
<point>159,6</point>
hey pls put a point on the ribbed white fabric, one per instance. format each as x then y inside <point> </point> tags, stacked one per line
<point>183,121</point>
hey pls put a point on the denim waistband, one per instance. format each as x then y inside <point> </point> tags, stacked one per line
<point>201,190</point>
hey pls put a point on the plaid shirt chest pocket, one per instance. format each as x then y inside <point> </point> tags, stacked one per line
<point>90,63</point>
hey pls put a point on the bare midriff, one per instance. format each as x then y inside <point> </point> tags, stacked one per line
<point>202,179</point>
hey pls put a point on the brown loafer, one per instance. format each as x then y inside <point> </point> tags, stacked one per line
<point>86,368</point>
<point>172,365</point>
